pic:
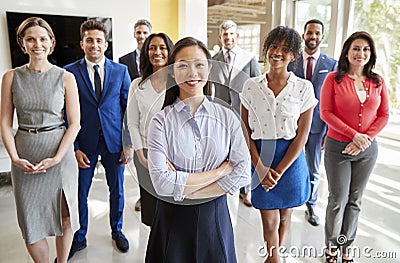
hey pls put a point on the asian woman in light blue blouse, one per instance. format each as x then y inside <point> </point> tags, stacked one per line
<point>197,154</point>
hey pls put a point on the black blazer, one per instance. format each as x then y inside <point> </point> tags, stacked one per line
<point>130,61</point>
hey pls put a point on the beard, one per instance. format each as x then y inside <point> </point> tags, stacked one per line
<point>308,46</point>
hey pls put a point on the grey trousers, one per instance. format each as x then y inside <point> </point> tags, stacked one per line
<point>347,178</point>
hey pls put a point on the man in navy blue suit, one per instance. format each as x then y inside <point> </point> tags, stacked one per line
<point>314,66</point>
<point>103,87</point>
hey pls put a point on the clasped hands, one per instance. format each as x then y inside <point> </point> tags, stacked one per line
<point>268,177</point>
<point>40,167</point>
<point>359,144</point>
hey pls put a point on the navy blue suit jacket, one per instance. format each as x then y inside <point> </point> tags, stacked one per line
<point>108,113</point>
<point>323,66</point>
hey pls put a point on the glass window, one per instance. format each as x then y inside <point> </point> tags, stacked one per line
<point>314,9</point>
<point>249,38</point>
<point>381,19</point>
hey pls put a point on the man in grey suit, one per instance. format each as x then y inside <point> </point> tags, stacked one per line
<point>314,66</point>
<point>238,65</point>
<point>132,59</point>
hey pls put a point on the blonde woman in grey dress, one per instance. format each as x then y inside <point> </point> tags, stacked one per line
<point>44,171</point>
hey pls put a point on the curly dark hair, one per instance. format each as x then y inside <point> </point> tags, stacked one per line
<point>145,66</point>
<point>172,92</point>
<point>283,33</point>
<point>343,63</point>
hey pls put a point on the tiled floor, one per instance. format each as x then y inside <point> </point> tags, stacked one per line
<point>378,234</point>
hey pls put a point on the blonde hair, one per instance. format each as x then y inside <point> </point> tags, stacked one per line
<point>31,22</point>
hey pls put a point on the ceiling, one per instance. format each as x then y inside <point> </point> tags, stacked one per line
<point>240,11</point>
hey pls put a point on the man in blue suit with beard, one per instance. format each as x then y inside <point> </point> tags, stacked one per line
<point>314,66</point>
<point>103,87</point>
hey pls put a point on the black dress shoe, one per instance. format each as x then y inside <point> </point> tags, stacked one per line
<point>120,241</point>
<point>311,216</point>
<point>76,246</point>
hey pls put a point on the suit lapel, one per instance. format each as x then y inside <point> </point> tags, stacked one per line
<point>300,69</point>
<point>318,66</point>
<point>85,76</point>
<point>135,66</point>
<point>222,66</point>
<point>240,62</point>
<point>108,68</point>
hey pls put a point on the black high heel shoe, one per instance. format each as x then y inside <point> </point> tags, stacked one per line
<point>331,258</point>
<point>348,260</point>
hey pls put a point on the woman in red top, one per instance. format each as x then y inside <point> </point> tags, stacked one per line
<point>354,104</point>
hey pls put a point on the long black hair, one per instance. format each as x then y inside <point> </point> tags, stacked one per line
<point>343,63</point>
<point>145,66</point>
<point>172,92</point>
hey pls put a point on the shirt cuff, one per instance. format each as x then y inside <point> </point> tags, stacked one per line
<point>228,185</point>
<point>181,178</point>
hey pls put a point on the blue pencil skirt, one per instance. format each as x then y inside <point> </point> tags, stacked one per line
<point>293,188</point>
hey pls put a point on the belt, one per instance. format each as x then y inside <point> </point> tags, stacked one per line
<point>37,130</point>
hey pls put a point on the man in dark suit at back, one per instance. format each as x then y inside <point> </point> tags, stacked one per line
<point>235,66</point>
<point>314,66</point>
<point>132,60</point>
<point>103,87</point>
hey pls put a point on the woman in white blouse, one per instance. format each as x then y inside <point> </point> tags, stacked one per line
<point>277,111</point>
<point>146,97</point>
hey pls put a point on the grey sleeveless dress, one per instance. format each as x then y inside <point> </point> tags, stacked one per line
<point>39,102</point>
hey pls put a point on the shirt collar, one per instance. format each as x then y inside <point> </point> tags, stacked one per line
<point>261,78</point>
<point>137,52</point>
<point>91,64</point>
<point>179,105</point>
<point>315,55</point>
<point>233,50</point>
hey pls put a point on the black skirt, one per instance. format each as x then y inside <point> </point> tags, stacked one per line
<point>148,195</point>
<point>199,233</point>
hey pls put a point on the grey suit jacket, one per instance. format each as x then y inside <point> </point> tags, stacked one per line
<point>324,65</point>
<point>228,84</point>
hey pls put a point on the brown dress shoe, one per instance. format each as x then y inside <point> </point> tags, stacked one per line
<point>245,199</point>
<point>138,205</point>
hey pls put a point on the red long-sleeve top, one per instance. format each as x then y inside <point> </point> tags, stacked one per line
<point>346,115</point>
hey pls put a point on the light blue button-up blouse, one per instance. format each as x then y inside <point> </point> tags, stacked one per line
<point>196,144</point>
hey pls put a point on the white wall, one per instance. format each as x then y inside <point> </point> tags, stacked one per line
<point>123,13</point>
<point>193,19</point>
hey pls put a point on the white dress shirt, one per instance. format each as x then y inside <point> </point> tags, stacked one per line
<point>90,69</point>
